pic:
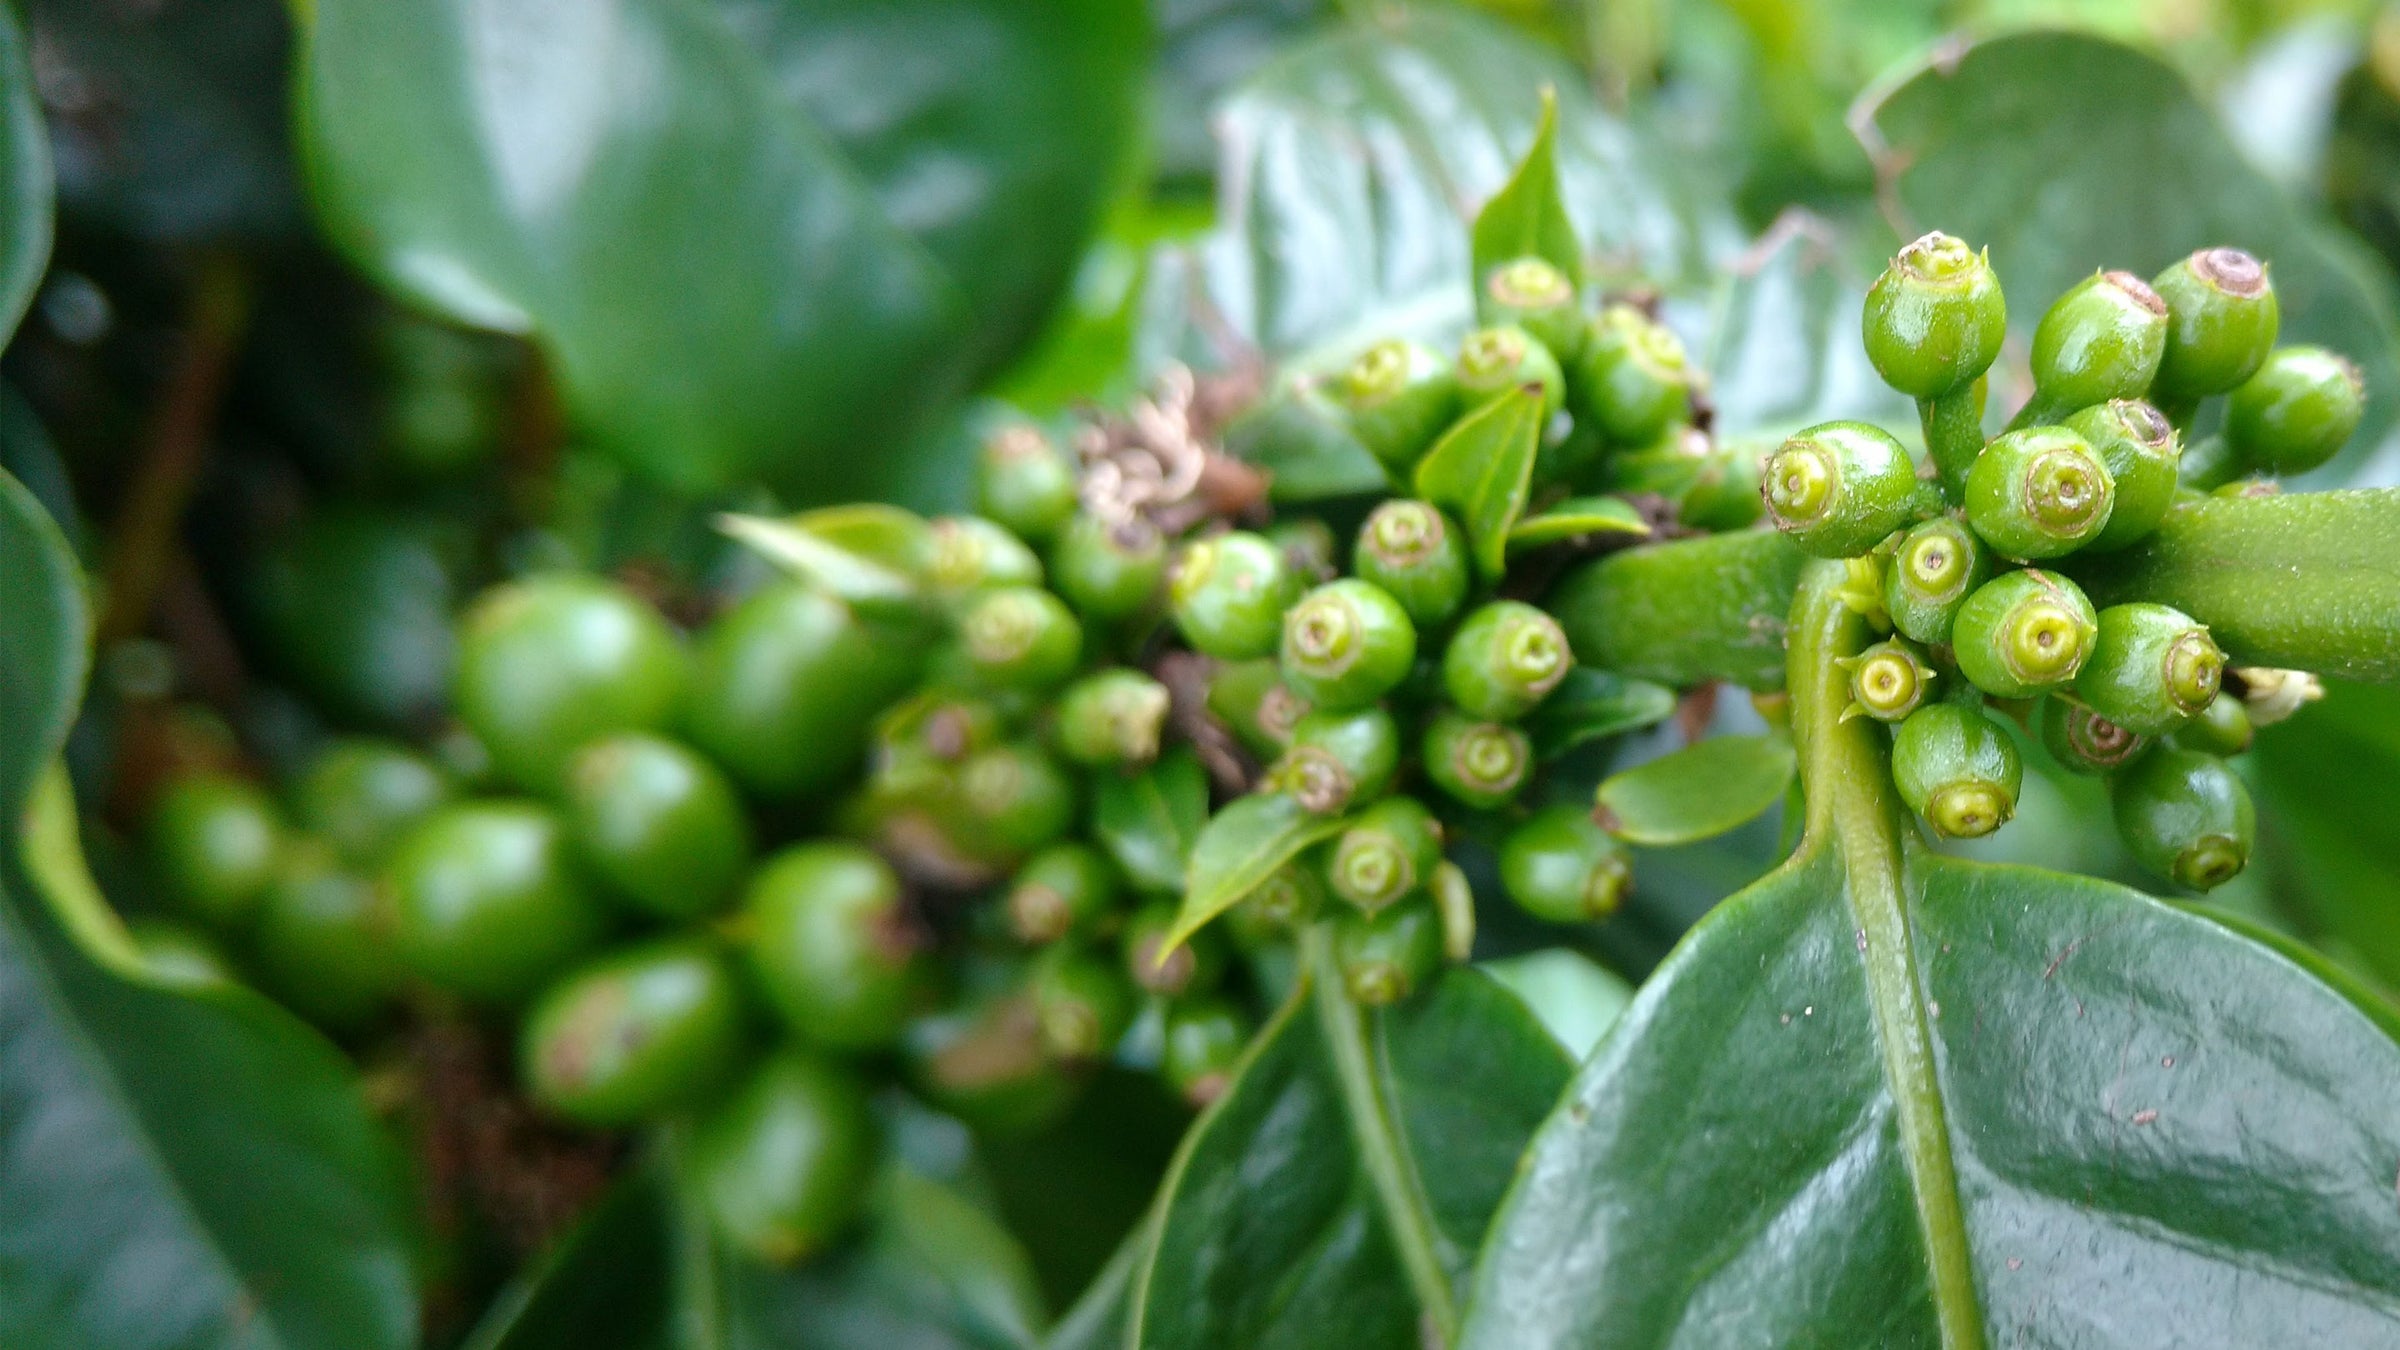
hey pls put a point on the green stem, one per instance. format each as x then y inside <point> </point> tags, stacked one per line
<point>1400,1196</point>
<point>2306,580</point>
<point>1953,427</point>
<point>1685,612</point>
<point>1853,807</point>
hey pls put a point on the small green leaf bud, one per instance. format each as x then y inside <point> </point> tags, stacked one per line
<point>2101,340</point>
<point>1532,294</point>
<point>1400,395</point>
<point>2296,412</point>
<point>1338,760</point>
<point>2221,321</point>
<point>1560,866</point>
<point>1065,890</point>
<point>1194,966</point>
<point>2222,728</point>
<point>1082,1003</point>
<point>1229,593</point>
<point>2084,742</point>
<point>1385,956</point>
<point>1418,555</point>
<point>1205,1038</point>
<point>1632,378</point>
<point>2185,816</point>
<point>1346,644</point>
<point>2039,493</point>
<point>970,553</point>
<point>1493,362</point>
<point>1958,769</point>
<point>1939,563</point>
<point>1386,853</point>
<point>1504,660</point>
<point>1020,637</point>
<point>1024,483</point>
<point>1111,719</point>
<point>2144,457</point>
<point>1109,573</point>
<point>2022,633</point>
<point>1838,488</point>
<point>2151,669</point>
<point>1935,318</point>
<point>1889,680</point>
<point>1476,763</point>
<point>1251,698</point>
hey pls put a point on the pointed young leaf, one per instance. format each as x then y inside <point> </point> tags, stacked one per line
<point>1576,517</point>
<point>1239,848</point>
<point>1482,470</point>
<point>1698,792</point>
<point>1148,821</point>
<point>1591,705</point>
<point>1527,217</point>
<point>857,577</point>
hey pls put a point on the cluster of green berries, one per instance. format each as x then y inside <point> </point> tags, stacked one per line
<point>1967,564</point>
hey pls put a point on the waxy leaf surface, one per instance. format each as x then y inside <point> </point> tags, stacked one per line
<point>1482,470</point>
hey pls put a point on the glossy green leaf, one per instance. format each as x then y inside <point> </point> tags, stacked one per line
<point>2011,142</point>
<point>1098,1319</point>
<point>1576,517</point>
<point>1395,1133</point>
<point>1889,1098</point>
<point>609,1282</point>
<point>1783,347</point>
<point>1303,441</point>
<point>753,238</point>
<point>1240,847</point>
<point>833,560</point>
<point>1482,469</point>
<point>186,1167</point>
<point>1591,705</point>
<point>1575,998</point>
<point>1526,218</point>
<point>2329,844</point>
<point>1698,792</point>
<point>1148,821</point>
<point>24,178</point>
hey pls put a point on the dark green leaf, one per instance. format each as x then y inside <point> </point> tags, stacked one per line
<point>1576,999</point>
<point>1149,820</point>
<point>2329,841</point>
<point>24,178</point>
<point>754,238</point>
<point>608,1283</point>
<point>1526,218</point>
<point>1305,445</point>
<point>1576,517</point>
<point>1697,792</point>
<point>1482,469</point>
<point>1396,1132</point>
<point>1097,1321</point>
<point>1239,848</point>
<point>1591,705</point>
<point>2017,142</point>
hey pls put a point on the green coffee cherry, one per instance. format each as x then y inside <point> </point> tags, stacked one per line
<point>1251,698</point>
<point>2296,412</point>
<point>1532,294</point>
<point>179,955</point>
<point>2022,633</point>
<point>1838,488</point>
<point>1935,318</point>
<point>1020,637</point>
<point>658,826</point>
<point>1083,1004</point>
<point>1494,362</point>
<point>2152,667</point>
<point>983,1063</point>
<point>1400,396</point>
<point>552,662</point>
<point>831,945</point>
<point>1110,573</point>
<point>969,553</point>
<point>1939,563</point>
<point>634,1035</point>
<point>1066,890</point>
<point>2084,742</point>
<point>2144,457</point>
<point>1888,680</point>
<point>1418,556</point>
<point>2221,321</point>
<point>2039,493</point>
<point>2186,817</point>
<point>1958,769</point>
<point>213,843</point>
<point>1023,482</point>
<point>1282,904</point>
<point>1560,866</point>
<point>1205,1038</point>
<point>1193,966</point>
<point>323,942</point>
<point>1388,852</point>
<point>782,1166</point>
<point>1388,955</point>
<point>1229,594</point>
<point>1338,760</point>
<point>1011,800</point>
<point>486,900</point>
<point>1724,494</point>
<point>937,725</point>
<point>2101,340</point>
<point>1474,762</point>
<point>1111,719</point>
<point>1346,644</point>
<point>786,687</point>
<point>1504,660</point>
<point>1310,552</point>
<point>1632,379</point>
<point>362,793</point>
<point>2222,728</point>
